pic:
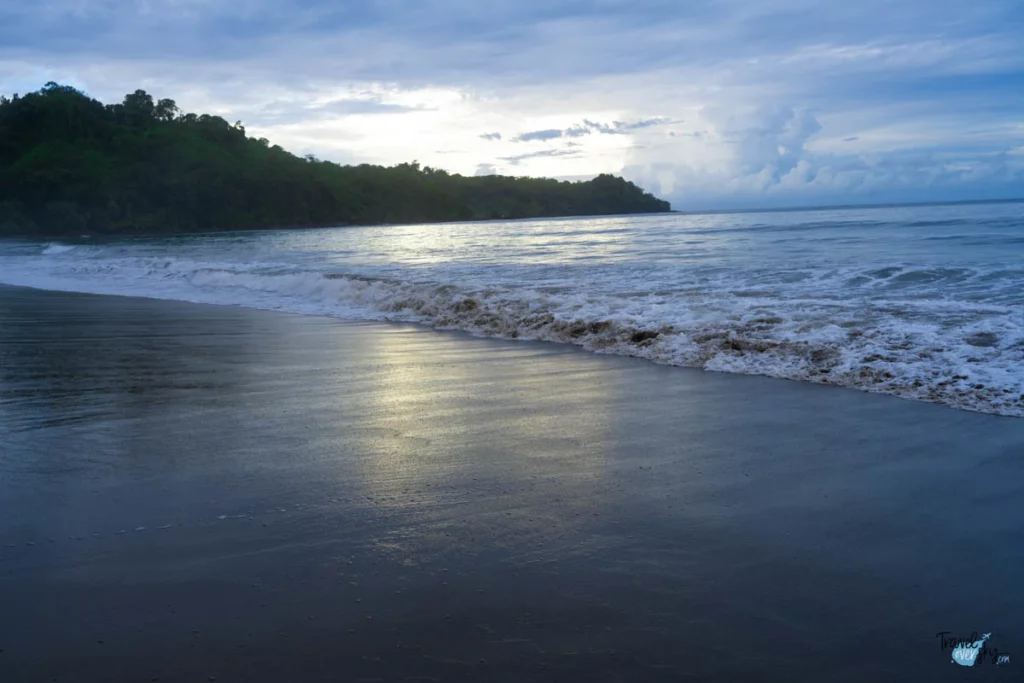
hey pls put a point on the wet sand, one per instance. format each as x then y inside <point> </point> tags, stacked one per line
<point>191,493</point>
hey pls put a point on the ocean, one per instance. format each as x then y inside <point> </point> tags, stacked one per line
<point>921,302</point>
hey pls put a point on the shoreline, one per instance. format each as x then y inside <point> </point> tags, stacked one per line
<point>593,338</point>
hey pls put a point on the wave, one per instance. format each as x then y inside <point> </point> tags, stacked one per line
<point>56,248</point>
<point>958,353</point>
<point>970,366</point>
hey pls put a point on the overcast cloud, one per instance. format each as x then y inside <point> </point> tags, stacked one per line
<point>711,104</point>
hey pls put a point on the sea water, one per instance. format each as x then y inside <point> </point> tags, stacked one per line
<point>923,302</point>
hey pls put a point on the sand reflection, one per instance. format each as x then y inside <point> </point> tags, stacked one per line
<point>464,446</point>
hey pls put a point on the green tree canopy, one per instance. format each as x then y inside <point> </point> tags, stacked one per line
<point>69,164</point>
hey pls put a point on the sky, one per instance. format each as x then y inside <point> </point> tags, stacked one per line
<point>713,105</point>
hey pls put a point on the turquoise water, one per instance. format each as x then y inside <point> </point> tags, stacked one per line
<point>924,302</point>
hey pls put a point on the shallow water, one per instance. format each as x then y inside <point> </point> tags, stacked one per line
<point>922,302</point>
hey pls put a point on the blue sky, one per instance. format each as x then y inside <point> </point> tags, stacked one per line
<point>719,104</point>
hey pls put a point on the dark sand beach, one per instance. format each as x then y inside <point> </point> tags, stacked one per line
<point>195,493</point>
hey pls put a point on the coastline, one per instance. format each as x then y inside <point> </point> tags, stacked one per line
<point>672,212</point>
<point>694,348</point>
<point>224,492</point>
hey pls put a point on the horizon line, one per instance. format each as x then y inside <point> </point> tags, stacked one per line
<point>833,207</point>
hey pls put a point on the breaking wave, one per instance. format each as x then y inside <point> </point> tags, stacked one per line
<point>959,354</point>
<point>913,316</point>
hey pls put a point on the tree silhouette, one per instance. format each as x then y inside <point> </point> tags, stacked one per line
<point>70,165</point>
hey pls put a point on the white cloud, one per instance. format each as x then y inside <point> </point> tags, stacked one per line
<point>768,157</point>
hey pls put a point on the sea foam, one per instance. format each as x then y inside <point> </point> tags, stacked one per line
<point>944,330</point>
<point>56,248</point>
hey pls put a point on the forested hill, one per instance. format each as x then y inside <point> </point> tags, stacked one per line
<point>71,165</point>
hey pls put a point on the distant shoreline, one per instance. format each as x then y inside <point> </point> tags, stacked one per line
<point>79,167</point>
<point>704,212</point>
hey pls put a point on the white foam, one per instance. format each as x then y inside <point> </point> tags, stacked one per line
<point>56,248</point>
<point>953,335</point>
